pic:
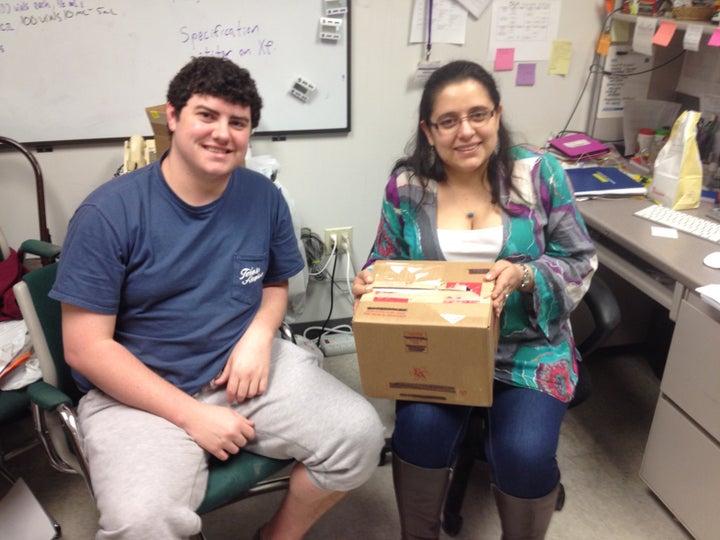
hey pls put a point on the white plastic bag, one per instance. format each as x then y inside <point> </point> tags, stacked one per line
<point>677,174</point>
<point>14,340</point>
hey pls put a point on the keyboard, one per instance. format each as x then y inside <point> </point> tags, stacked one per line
<point>697,226</point>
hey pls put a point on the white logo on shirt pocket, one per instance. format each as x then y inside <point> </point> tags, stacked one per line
<point>250,275</point>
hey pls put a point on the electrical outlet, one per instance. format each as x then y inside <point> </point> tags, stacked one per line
<point>343,235</point>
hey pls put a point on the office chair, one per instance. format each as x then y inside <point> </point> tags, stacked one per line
<point>15,404</point>
<point>54,399</point>
<point>604,311</point>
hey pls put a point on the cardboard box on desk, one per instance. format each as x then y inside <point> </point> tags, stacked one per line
<point>427,332</point>
<point>158,121</point>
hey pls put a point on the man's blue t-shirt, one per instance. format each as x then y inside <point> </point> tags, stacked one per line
<point>184,282</point>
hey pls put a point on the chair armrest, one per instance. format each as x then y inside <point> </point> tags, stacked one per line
<point>45,250</point>
<point>605,311</point>
<point>286,332</point>
<point>46,396</point>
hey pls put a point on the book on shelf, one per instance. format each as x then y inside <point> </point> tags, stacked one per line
<point>603,182</point>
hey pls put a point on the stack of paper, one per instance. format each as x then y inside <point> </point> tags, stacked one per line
<point>711,294</point>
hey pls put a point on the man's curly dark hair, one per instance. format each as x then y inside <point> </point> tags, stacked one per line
<point>217,77</point>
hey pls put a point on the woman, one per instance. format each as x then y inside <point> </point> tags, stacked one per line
<point>465,193</point>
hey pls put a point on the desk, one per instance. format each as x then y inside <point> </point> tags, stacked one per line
<point>681,463</point>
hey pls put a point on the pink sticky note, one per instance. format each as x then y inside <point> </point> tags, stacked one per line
<point>525,75</point>
<point>715,38</point>
<point>664,34</point>
<point>504,59</point>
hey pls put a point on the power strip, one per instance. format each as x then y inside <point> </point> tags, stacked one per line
<point>337,344</point>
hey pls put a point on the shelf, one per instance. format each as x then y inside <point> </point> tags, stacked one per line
<point>707,26</point>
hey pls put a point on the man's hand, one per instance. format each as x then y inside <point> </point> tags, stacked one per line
<point>219,430</point>
<point>246,372</point>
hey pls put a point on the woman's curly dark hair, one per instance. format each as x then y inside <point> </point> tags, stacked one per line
<point>217,77</point>
<point>420,158</point>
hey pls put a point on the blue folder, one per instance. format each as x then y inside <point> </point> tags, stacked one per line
<point>602,182</point>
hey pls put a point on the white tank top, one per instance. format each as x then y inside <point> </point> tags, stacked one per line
<point>475,244</point>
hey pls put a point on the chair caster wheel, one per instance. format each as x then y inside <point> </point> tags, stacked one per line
<point>452,524</point>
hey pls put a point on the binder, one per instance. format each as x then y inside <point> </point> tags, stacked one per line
<point>579,146</point>
<point>603,181</point>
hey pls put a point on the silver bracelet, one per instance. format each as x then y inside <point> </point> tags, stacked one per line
<point>526,277</point>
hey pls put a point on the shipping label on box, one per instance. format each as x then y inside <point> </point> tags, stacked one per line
<point>427,332</point>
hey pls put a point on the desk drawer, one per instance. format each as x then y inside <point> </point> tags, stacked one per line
<point>681,465</point>
<point>692,372</point>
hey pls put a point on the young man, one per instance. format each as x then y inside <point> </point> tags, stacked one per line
<point>173,283</point>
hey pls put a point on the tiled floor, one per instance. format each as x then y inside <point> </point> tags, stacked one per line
<point>600,453</point>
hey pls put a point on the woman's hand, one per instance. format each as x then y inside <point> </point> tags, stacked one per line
<point>361,285</point>
<point>508,278</point>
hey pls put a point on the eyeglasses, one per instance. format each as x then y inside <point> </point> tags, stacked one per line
<point>476,119</point>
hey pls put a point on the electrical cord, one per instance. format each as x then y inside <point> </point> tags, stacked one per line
<point>339,329</point>
<point>605,29</point>
<point>321,272</point>
<point>332,298</point>
<point>314,250</point>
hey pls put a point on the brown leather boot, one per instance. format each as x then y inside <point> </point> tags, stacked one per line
<point>420,494</point>
<point>525,519</point>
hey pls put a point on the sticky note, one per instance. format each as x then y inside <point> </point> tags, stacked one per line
<point>525,75</point>
<point>620,31</point>
<point>603,44</point>
<point>715,38</point>
<point>560,57</point>
<point>504,59</point>
<point>664,34</point>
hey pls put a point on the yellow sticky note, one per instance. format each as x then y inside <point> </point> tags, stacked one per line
<point>560,57</point>
<point>620,31</point>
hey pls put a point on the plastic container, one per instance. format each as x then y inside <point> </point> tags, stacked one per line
<point>644,140</point>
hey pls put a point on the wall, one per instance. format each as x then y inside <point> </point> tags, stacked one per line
<point>337,180</point>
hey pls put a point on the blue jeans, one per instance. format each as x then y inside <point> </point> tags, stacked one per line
<point>522,429</point>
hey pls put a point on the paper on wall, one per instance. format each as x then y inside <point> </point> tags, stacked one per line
<point>617,89</point>
<point>643,36</point>
<point>449,22</point>
<point>474,7</point>
<point>527,27</point>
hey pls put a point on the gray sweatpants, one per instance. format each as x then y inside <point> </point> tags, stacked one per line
<point>149,476</point>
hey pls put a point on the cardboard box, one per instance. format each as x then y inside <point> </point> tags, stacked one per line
<point>158,121</point>
<point>427,332</point>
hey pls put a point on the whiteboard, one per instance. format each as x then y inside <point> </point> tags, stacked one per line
<point>78,70</point>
